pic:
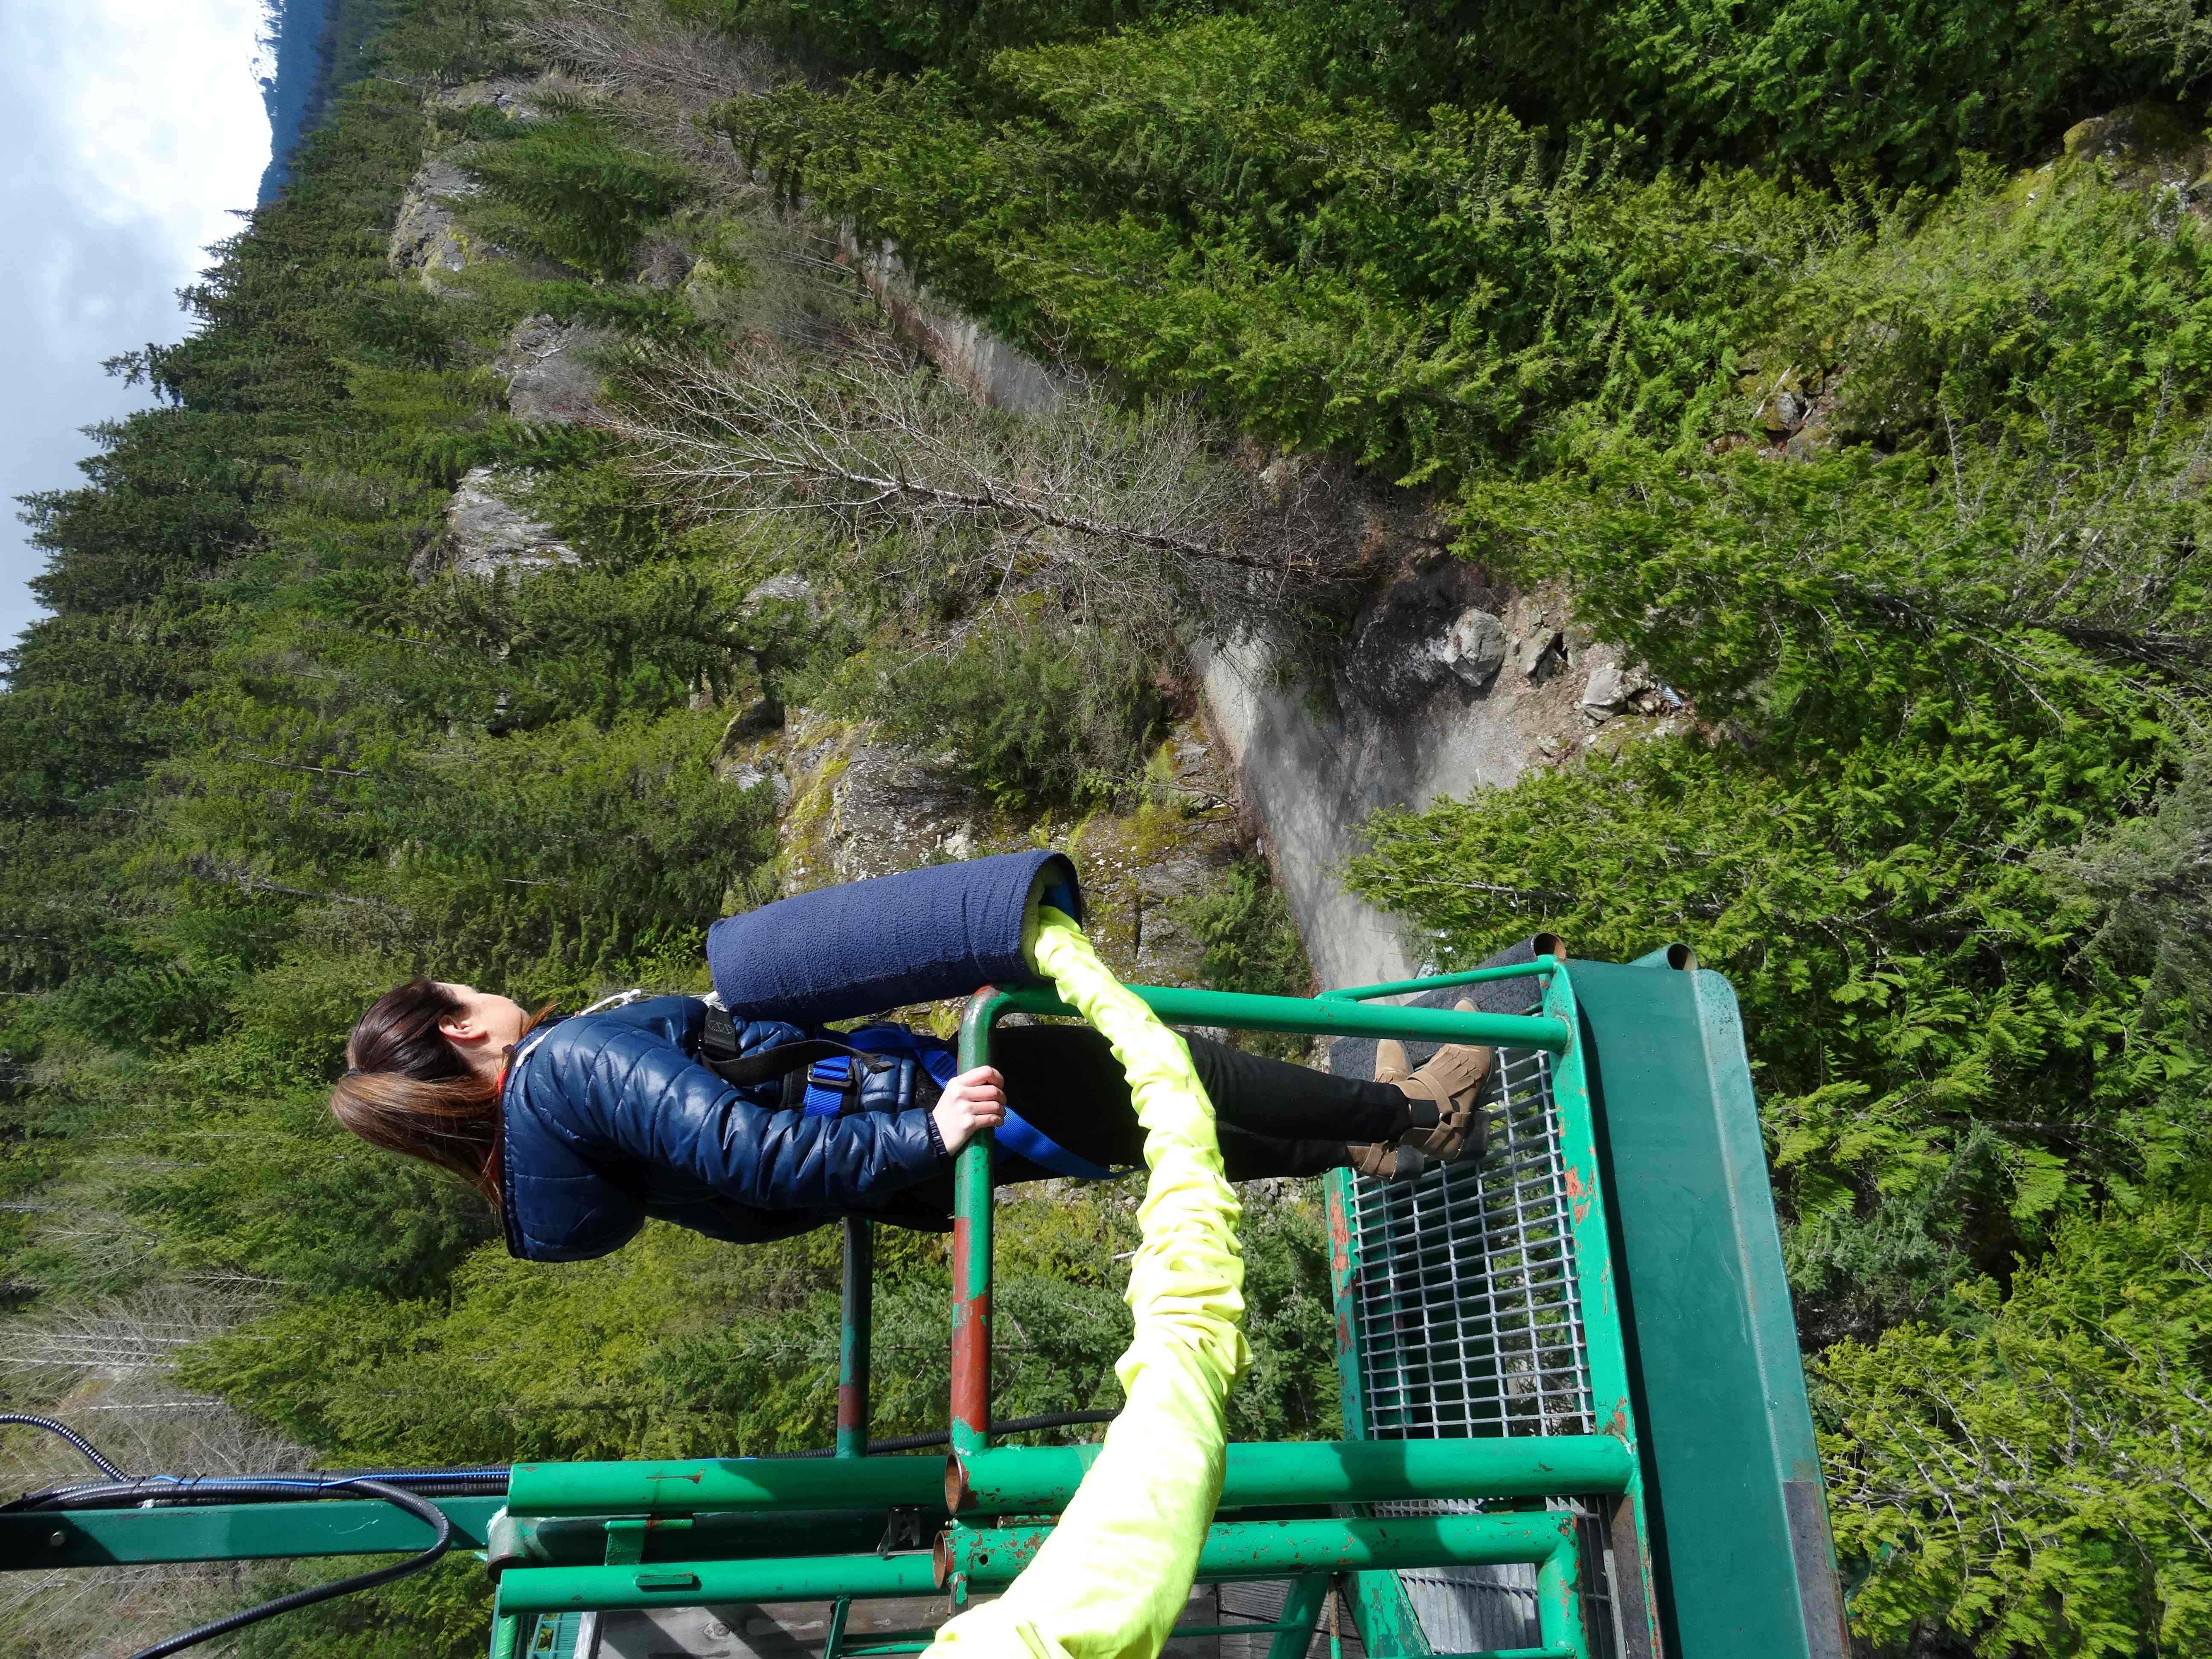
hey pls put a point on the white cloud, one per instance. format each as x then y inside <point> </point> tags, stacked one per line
<point>128,128</point>
<point>153,109</point>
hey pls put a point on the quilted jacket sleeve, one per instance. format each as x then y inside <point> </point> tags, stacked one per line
<point>632,1091</point>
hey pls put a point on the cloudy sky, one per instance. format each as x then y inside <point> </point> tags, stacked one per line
<point>128,128</point>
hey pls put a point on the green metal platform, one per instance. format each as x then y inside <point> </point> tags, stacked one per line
<point>1576,1424</point>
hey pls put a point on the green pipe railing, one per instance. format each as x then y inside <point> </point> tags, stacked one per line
<point>526,1540</point>
<point>1015,1479</point>
<point>971,1246</point>
<point>1334,1016</point>
<point>1398,987</point>
<point>981,1558</point>
<point>856,1337</point>
<point>690,1486</point>
<point>990,1558</point>
<point>695,1583</point>
<point>1038,1479</point>
<point>1338,1013</point>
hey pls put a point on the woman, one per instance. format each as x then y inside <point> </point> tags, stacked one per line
<point>578,1130</point>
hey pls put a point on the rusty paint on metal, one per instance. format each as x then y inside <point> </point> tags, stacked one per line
<point>1560,1598</point>
<point>971,1337</point>
<point>957,1496</point>
<point>971,1365</point>
<point>1339,1265</point>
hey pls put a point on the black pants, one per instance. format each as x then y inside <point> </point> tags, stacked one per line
<point>1275,1119</point>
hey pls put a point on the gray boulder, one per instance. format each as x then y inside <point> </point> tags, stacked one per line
<point>1419,638</point>
<point>424,238</point>
<point>486,534</point>
<point>1474,648</point>
<point>549,370</point>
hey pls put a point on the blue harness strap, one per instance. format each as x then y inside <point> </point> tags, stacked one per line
<point>829,1092</point>
<point>1022,1138</point>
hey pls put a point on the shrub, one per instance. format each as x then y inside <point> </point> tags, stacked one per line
<point>586,194</point>
<point>1034,715</point>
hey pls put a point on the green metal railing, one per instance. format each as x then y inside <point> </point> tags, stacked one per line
<point>1571,1349</point>
<point>982,1481</point>
<point>1345,1015</point>
<point>686,1533</point>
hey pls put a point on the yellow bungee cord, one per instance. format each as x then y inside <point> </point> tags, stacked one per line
<point>1113,1577</point>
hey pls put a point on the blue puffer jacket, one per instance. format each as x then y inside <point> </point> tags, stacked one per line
<point>611,1118</point>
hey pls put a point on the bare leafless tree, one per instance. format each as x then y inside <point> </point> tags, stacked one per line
<point>106,1371</point>
<point>659,74</point>
<point>1136,516</point>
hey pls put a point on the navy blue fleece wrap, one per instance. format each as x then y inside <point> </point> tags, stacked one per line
<point>870,945</point>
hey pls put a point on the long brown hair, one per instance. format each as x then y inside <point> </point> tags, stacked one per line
<point>407,1089</point>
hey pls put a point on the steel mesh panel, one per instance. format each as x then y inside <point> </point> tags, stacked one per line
<point>1465,1295</point>
<point>1468,1325</point>
<point>1260,1599</point>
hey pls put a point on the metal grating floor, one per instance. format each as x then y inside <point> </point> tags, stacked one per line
<point>1468,1325</point>
<point>1466,1302</point>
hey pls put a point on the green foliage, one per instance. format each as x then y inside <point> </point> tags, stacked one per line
<point>1933,681</point>
<point>1816,84</point>
<point>586,189</point>
<point>1034,711</point>
<point>1247,939</point>
<point>2068,1430</point>
<point>911,34</point>
<point>2051,307</point>
<point>1819,86</point>
<point>679,1347</point>
<point>1182,208</point>
<point>440,1613</point>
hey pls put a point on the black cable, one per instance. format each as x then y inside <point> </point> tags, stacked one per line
<point>419,1508</point>
<point>91,1454</point>
<point>485,1480</point>
<point>944,1436</point>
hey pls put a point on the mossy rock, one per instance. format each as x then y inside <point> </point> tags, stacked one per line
<point>2144,145</point>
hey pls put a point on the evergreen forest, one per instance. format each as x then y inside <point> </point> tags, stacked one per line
<point>1847,368</point>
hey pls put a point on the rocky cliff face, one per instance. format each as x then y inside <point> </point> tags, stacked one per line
<point>1448,682</point>
<point>851,806</point>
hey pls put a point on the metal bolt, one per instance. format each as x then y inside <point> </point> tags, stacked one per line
<point>57,1541</point>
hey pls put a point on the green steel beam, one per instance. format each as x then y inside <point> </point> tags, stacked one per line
<point>1033,1480</point>
<point>699,1583</point>
<point>543,1540</point>
<point>1597,1296</point>
<point>1727,1439</point>
<point>856,1337</point>
<point>230,1532</point>
<point>992,1556</point>
<point>1333,1017</point>
<point>971,1245</point>
<point>1399,987</point>
<point>1301,1609</point>
<point>691,1487</point>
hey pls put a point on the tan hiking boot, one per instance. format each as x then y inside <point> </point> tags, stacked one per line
<point>1444,1091</point>
<point>1382,1161</point>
